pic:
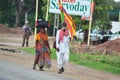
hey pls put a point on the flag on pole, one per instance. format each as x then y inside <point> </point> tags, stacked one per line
<point>68,19</point>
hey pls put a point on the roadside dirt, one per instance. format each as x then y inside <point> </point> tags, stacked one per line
<point>76,72</point>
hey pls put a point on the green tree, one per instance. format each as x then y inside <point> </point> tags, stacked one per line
<point>100,15</point>
<point>114,14</point>
<point>12,11</point>
<point>6,12</point>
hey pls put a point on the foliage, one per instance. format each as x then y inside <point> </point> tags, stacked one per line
<point>10,10</point>
<point>114,14</point>
<point>6,13</point>
<point>100,15</point>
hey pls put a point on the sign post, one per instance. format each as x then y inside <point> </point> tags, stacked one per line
<point>90,23</point>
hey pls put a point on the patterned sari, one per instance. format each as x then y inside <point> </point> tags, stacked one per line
<point>43,50</point>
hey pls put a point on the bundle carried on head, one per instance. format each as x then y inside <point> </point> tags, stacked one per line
<point>42,23</point>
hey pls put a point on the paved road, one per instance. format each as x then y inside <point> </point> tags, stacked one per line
<point>9,71</point>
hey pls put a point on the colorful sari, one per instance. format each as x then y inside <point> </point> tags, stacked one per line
<point>43,50</point>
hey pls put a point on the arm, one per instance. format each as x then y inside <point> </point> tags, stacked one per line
<point>57,40</point>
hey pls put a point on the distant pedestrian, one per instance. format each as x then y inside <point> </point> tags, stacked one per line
<point>26,34</point>
<point>62,47</point>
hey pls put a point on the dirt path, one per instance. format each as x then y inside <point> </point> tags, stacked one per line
<point>72,71</point>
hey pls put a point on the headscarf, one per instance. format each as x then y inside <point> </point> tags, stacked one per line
<point>62,34</point>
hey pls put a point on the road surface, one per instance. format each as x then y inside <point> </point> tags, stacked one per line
<point>18,66</point>
<point>9,71</point>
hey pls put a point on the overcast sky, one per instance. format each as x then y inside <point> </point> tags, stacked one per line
<point>116,0</point>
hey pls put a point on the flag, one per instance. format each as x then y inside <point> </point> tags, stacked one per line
<point>68,19</point>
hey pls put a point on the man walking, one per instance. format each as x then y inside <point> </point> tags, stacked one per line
<point>62,47</point>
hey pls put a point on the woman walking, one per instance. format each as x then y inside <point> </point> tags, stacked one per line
<point>42,57</point>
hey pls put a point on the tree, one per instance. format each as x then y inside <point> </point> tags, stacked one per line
<point>22,7</point>
<point>114,14</point>
<point>6,12</point>
<point>100,15</point>
<point>13,11</point>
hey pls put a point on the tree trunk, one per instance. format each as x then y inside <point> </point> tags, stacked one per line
<point>17,22</point>
<point>20,11</point>
<point>86,36</point>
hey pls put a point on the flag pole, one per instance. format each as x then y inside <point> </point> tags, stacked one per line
<point>47,13</point>
<point>47,10</point>
<point>36,16</point>
<point>90,26</point>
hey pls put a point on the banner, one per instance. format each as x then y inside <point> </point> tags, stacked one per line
<point>73,7</point>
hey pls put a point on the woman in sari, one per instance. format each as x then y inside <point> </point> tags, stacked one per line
<point>42,57</point>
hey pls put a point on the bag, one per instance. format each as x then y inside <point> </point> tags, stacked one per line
<point>43,24</point>
<point>54,44</point>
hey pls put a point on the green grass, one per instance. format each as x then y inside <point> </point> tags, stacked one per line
<point>28,50</point>
<point>108,63</point>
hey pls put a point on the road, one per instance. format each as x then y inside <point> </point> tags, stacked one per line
<point>10,71</point>
<point>18,66</point>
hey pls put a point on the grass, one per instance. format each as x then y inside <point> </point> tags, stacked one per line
<point>108,63</point>
<point>28,50</point>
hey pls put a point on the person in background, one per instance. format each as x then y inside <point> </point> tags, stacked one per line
<point>26,33</point>
<point>42,57</point>
<point>63,38</point>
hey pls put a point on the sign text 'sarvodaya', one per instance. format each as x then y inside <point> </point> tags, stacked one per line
<point>73,7</point>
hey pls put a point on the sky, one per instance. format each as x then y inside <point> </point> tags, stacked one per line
<point>116,0</point>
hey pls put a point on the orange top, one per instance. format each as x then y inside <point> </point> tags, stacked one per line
<point>42,36</point>
<point>42,39</point>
